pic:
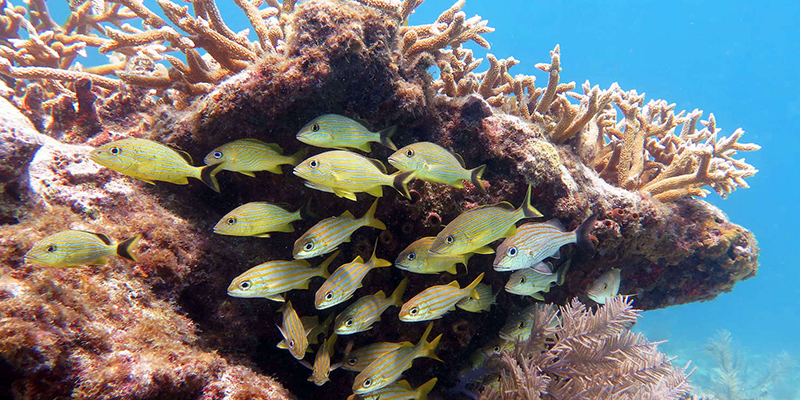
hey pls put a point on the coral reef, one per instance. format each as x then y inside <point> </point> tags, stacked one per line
<point>165,323</point>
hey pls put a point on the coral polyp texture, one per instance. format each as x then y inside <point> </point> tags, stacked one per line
<point>164,326</point>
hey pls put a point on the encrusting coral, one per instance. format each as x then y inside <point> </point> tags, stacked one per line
<point>191,82</point>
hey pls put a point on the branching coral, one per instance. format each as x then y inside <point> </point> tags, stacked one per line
<point>588,354</point>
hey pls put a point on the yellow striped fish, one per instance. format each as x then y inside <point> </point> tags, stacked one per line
<point>519,325</point>
<point>530,282</point>
<point>344,174</point>
<point>257,219</point>
<point>360,358</point>
<point>436,301</point>
<point>435,164</point>
<point>416,258</point>
<point>345,280</point>
<point>482,303</point>
<point>605,286</point>
<point>246,156</point>
<point>328,234</point>
<point>273,278</point>
<point>359,316</point>
<point>474,229</point>
<point>400,391</point>
<point>536,241</point>
<point>322,362</point>
<point>387,368</point>
<point>294,333</point>
<point>337,132</point>
<point>75,248</point>
<point>150,161</point>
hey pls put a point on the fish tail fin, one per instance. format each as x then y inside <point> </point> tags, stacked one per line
<point>397,295</point>
<point>377,262</point>
<point>401,180</point>
<point>425,348</point>
<point>465,261</point>
<point>476,176</point>
<point>305,212</point>
<point>370,219</point>
<point>425,388</point>
<point>562,272</point>
<point>296,158</point>
<point>125,249</point>
<point>470,289</point>
<point>527,208</point>
<point>583,235</point>
<point>325,264</point>
<point>330,342</point>
<point>208,175</point>
<point>386,137</point>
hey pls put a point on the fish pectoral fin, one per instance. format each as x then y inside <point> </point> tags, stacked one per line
<point>279,297</point>
<point>262,235</point>
<point>248,173</point>
<point>151,182</point>
<point>484,250</point>
<point>282,345</point>
<point>376,191</point>
<point>344,193</point>
<point>538,296</point>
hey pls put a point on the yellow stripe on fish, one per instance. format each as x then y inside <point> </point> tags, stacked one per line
<point>531,282</point>
<point>605,286</point>
<point>400,391</point>
<point>273,278</point>
<point>474,229</point>
<point>337,132</point>
<point>359,316</point>
<point>360,358</point>
<point>258,218</point>
<point>436,301</point>
<point>536,241</point>
<point>246,156</point>
<point>294,333</point>
<point>435,164</point>
<point>344,174</point>
<point>328,234</point>
<point>341,285</point>
<point>416,258</point>
<point>481,303</point>
<point>76,248</point>
<point>150,161</point>
<point>322,362</point>
<point>387,368</point>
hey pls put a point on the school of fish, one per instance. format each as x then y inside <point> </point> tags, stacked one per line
<point>344,173</point>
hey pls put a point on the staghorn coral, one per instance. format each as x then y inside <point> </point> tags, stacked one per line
<point>587,354</point>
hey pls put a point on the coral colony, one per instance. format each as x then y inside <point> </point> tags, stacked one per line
<point>158,322</point>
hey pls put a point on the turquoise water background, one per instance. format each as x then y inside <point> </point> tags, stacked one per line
<point>736,59</point>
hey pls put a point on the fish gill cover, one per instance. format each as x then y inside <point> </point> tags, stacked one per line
<point>164,326</point>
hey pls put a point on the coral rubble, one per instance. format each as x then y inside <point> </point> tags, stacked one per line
<point>164,326</point>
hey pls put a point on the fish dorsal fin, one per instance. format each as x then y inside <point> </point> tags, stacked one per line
<point>107,240</point>
<point>363,122</point>
<point>454,284</point>
<point>273,146</point>
<point>284,205</point>
<point>460,160</point>
<point>378,164</point>
<point>380,295</point>
<point>186,156</point>
<point>347,214</point>
<point>505,205</point>
<point>358,260</point>
<point>555,223</point>
<point>404,384</point>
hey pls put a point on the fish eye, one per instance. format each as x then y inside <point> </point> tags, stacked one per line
<point>217,154</point>
<point>349,322</point>
<point>512,251</point>
<point>449,239</point>
<point>308,246</point>
<point>51,248</point>
<point>411,256</point>
<point>409,153</point>
<point>367,383</point>
<point>291,343</point>
<point>244,285</point>
<point>329,296</point>
<point>496,349</point>
<point>521,324</point>
<point>231,221</point>
<point>352,361</point>
<point>413,311</point>
<point>114,150</point>
<point>313,163</point>
<point>605,286</point>
<point>314,127</point>
<point>522,280</point>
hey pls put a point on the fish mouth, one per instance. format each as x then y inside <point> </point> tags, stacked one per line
<point>500,267</point>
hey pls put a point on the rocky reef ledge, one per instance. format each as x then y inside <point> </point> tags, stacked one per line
<point>163,327</point>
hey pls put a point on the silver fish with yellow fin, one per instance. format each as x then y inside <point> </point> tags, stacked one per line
<point>337,132</point>
<point>151,161</point>
<point>474,229</point>
<point>294,333</point>
<point>605,286</point>
<point>399,391</point>
<point>360,358</point>
<point>387,368</point>
<point>246,156</point>
<point>344,174</point>
<point>273,278</point>
<point>345,281</point>
<point>322,362</point>
<point>76,248</point>
<point>530,282</point>
<point>328,234</point>
<point>435,301</point>
<point>536,241</point>
<point>481,303</point>
<point>416,258</point>
<point>435,164</point>
<point>359,316</point>
<point>257,219</point>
